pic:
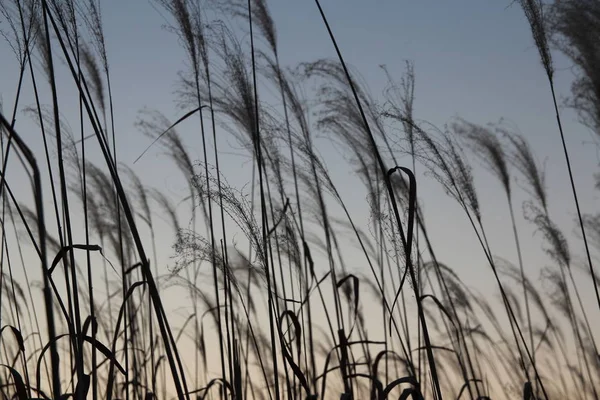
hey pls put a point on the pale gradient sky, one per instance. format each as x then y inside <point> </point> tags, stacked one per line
<point>473,58</point>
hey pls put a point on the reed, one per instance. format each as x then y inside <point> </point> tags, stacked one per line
<point>280,288</point>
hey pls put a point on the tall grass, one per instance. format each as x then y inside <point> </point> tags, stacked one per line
<point>290,317</point>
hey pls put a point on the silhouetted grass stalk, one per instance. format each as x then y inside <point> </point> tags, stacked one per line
<point>407,244</point>
<point>535,15</point>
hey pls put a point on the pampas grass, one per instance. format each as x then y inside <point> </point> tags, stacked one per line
<point>279,289</point>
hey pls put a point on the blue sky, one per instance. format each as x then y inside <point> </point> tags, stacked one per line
<point>473,58</point>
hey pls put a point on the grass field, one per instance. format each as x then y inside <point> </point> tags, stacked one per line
<point>245,284</point>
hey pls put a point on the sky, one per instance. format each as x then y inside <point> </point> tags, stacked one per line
<point>474,59</point>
